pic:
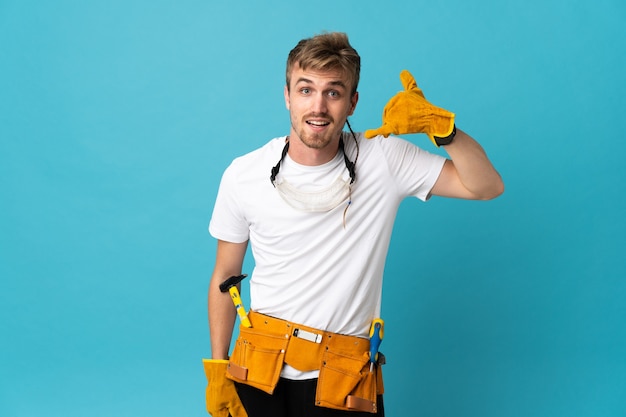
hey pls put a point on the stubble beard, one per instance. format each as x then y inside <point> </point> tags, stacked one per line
<point>313,140</point>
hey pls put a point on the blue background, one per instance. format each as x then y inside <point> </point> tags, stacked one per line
<point>117,119</point>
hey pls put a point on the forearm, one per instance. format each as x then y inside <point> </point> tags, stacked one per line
<point>474,170</point>
<point>222,316</point>
<point>222,313</point>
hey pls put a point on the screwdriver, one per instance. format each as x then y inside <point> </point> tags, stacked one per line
<point>376,336</point>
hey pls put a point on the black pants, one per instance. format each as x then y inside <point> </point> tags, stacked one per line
<point>293,399</point>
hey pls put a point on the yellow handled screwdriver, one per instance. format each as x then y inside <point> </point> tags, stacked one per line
<point>376,337</point>
<point>230,285</point>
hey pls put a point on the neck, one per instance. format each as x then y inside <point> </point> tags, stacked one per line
<point>305,155</point>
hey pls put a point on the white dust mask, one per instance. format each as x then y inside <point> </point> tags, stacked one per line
<point>322,200</point>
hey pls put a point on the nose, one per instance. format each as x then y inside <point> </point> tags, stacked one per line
<point>319,104</point>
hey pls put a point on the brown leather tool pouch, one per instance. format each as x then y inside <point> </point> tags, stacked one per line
<point>346,383</point>
<point>257,359</point>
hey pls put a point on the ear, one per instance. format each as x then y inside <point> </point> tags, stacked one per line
<point>353,100</point>
<point>286,97</point>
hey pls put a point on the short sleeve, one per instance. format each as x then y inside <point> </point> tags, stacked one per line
<point>228,222</point>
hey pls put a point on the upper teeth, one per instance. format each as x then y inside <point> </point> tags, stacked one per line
<point>317,123</point>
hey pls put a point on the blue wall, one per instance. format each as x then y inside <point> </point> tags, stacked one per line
<point>118,117</point>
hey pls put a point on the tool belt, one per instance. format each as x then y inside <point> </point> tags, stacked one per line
<point>345,381</point>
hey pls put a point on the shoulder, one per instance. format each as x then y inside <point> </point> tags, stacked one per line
<point>380,146</point>
<point>249,174</point>
<point>270,151</point>
<point>257,161</point>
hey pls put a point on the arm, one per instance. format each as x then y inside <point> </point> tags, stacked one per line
<point>222,314</point>
<point>469,173</point>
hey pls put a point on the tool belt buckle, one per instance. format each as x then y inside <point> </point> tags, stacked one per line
<point>306,335</point>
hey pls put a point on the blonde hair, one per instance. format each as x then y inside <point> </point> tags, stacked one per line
<point>327,51</point>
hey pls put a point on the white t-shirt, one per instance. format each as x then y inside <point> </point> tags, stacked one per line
<point>309,269</point>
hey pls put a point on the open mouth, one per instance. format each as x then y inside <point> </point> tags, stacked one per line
<point>318,123</point>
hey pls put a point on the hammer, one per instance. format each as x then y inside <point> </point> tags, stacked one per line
<point>230,285</point>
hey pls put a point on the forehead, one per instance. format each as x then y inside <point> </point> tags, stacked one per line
<point>333,76</point>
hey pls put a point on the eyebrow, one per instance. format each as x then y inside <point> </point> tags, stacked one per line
<point>334,83</point>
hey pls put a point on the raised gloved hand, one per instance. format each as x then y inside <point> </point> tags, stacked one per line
<point>410,112</point>
<point>221,395</point>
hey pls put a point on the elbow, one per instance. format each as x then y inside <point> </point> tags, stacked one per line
<point>496,190</point>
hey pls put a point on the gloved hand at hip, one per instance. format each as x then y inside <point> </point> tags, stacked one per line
<point>410,112</point>
<point>221,395</point>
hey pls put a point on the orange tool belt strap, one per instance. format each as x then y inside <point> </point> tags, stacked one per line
<point>345,381</point>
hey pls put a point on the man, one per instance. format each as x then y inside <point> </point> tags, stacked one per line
<point>318,207</point>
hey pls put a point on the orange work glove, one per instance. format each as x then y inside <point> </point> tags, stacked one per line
<point>221,396</point>
<point>410,112</point>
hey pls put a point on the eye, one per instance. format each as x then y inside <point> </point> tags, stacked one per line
<point>334,94</point>
<point>305,90</point>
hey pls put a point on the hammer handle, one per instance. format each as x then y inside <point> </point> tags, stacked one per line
<point>241,311</point>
